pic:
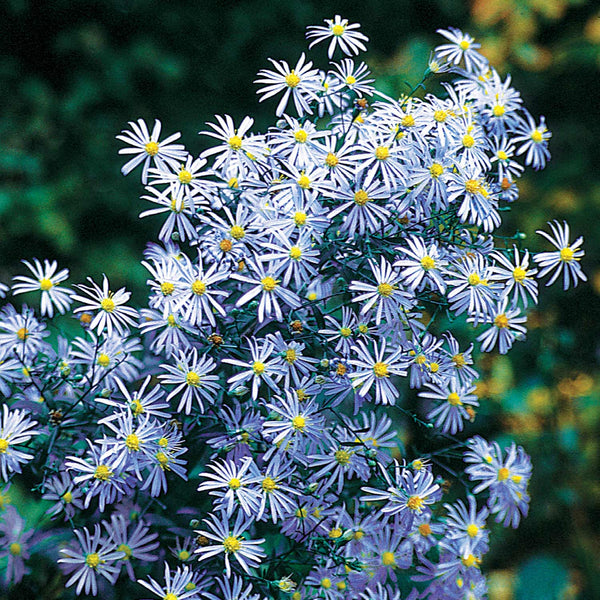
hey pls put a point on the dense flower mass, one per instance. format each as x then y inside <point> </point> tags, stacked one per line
<point>243,430</point>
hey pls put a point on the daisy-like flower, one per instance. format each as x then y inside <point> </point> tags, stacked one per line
<point>409,494</point>
<point>197,296</point>
<point>337,466</point>
<point>147,148</point>
<point>233,484</point>
<point>386,295</point>
<point>47,280</point>
<point>454,404</point>
<point>517,279</point>
<point>341,33</point>
<point>353,78</point>
<point>376,370</point>
<point>138,543</point>
<point>16,542</point>
<point>95,556</point>
<point>21,333</point>
<point>139,402</point>
<point>422,266</point>
<point>67,497</point>
<point>461,47</point>
<point>275,493</point>
<point>16,428</point>
<point>535,142</point>
<point>507,326</point>
<point>176,584</point>
<point>342,331</point>
<point>364,214</point>
<point>267,284</point>
<point>112,314</point>
<point>466,526</point>
<point>191,376</point>
<point>261,367</point>
<point>564,260</point>
<point>231,542</point>
<point>302,83</point>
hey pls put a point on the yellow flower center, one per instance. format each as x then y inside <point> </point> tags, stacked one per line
<point>382,152</point>
<point>301,513</point>
<point>103,473</point>
<point>338,30</point>
<point>235,142</point>
<point>498,110</point>
<point>163,460</point>
<point>503,474</point>
<point>15,549</point>
<point>414,503</point>
<point>342,457</point>
<point>464,45</point>
<point>192,379</point>
<point>235,483</point>
<point>132,442</point>
<point>425,529</point>
<point>237,232</point>
<point>67,497</point>
<point>290,356</point>
<point>299,423</point>
<point>537,136</point>
<point>501,321</point>
<point>566,254</point>
<point>232,544</point>
<point>385,290</point>
<point>350,80</point>
<point>440,116</point>
<point>233,183</point>
<point>340,369</point>
<point>408,121</point>
<point>268,283</point>
<point>335,533</point>
<point>472,186</point>
<point>472,530</point>
<point>301,136</point>
<point>454,399</point>
<point>434,367</point>
<point>151,148</point>
<point>268,484</point>
<point>331,160</point>
<point>184,176</point>
<point>107,305</point>
<point>436,170</point>
<point>304,182</point>
<point>199,288</point>
<point>380,369</point>
<point>428,263</point>
<point>345,332</point>
<point>103,360</point>
<point>92,560</point>
<point>474,279</point>
<point>468,141</point>
<point>459,360</point>
<point>388,559</point>
<point>170,596</point>
<point>300,219</point>
<point>292,80</point>
<point>23,333</point>
<point>45,284</point>
<point>501,155</point>
<point>259,367</point>
<point>126,550</point>
<point>167,288</point>
<point>163,442</point>
<point>295,253</point>
<point>361,197</point>
<point>519,274</point>
<point>225,245</point>
<point>183,555</point>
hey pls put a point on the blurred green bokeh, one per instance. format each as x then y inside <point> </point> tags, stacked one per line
<point>73,73</point>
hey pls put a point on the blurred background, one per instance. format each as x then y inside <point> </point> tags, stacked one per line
<point>73,73</point>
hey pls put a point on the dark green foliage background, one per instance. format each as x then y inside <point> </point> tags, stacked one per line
<point>72,73</point>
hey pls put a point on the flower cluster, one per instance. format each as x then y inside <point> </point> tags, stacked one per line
<point>302,288</point>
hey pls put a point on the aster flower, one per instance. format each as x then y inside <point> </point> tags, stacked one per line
<point>341,33</point>
<point>301,82</point>
<point>230,542</point>
<point>16,542</point>
<point>21,334</point>
<point>191,375</point>
<point>535,142</point>
<point>422,266</point>
<point>507,326</point>
<point>176,584</point>
<point>95,556</point>
<point>564,260</point>
<point>148,149</point>
<point>46,280</point>
<point>462,47</point>
<point>112,314</point>
<point>517,279</point>
<point>466,526</point>
<point>67,497</point>
<point>376,370</point>
<point>16,428</point>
